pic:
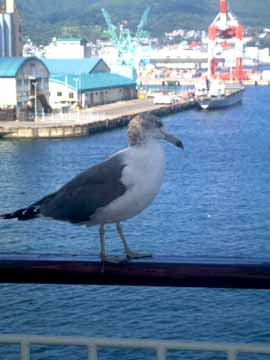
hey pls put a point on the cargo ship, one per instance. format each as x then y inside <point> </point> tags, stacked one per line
<point>216,95</point>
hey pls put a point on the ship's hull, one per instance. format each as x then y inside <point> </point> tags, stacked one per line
<point>220,102</point>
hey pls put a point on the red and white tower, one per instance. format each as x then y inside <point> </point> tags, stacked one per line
<point>225,30</point>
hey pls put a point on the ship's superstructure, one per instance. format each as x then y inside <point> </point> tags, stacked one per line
<point>10,29</point>
<point>225,32</point>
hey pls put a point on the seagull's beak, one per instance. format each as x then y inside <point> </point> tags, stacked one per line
<point>173,140</point>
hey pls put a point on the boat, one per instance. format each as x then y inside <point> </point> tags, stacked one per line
<point>218,95</point>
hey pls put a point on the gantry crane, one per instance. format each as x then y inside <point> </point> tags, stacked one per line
<point>225,28</point>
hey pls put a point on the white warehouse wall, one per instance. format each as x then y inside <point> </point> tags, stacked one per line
<point>88,98</point>
<point>57,101</point>
<point>8,97</point>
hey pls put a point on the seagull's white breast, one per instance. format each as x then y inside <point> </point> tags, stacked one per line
<point>142,175</point>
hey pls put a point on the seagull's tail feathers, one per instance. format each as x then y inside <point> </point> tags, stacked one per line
<point>22,214</point>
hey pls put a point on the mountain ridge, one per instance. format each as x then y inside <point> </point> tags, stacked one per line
<point>84,18</point>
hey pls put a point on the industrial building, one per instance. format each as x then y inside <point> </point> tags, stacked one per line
<point>26,85</point>
<point>63,48</point>
<point>10,29</point>
<point>88,90</point>
<point>86,82</point>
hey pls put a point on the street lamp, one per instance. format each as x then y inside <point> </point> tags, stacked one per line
<point>35,83</point>
<point>77,90</point>
<point>77,79</point>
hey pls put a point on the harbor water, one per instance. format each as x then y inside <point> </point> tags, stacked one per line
<point>215,201</point>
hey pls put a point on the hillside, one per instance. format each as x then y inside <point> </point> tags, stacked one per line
<point>42,20</point>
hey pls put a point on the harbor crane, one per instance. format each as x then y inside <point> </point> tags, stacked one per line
<point>140,28</point>
<point>111,27</point>
<point>125,44</point>
<point>225,29</point>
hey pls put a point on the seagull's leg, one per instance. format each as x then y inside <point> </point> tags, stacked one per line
<point>130,254</point>
<point>102,255</point>
<point>102,244</point>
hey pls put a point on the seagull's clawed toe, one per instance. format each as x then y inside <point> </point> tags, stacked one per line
<point>136,255</point>
<point>112,259</point>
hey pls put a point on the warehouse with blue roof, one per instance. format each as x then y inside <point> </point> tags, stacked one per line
<point>23,81</point>
<point>86,82</point>
<point>40,85</point>
<point>71,66</point>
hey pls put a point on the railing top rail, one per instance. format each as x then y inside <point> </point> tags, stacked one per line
<point>134,343</point>
<point>173,271</point>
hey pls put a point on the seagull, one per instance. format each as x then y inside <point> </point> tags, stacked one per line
<point>114,190</point>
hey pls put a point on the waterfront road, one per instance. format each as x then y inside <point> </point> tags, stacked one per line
<point>96,113</point>
<point>83,122</point>
<point>124,107</point>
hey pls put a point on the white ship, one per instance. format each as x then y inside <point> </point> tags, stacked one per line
<point>218,95</point>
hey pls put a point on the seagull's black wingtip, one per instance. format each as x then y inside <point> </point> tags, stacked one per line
<point>22,214</point>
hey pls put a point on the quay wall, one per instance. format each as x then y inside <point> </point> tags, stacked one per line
<point>35,130</point>
<point>194,81</point>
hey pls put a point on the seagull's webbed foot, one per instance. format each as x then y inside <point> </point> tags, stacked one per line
<point>130,254</point>
<point>112,259</point>
<point>136,255</point>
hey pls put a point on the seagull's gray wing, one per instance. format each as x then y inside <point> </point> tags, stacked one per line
<point>79,199</point>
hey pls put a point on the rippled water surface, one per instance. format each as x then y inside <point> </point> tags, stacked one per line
<point>215,201</point>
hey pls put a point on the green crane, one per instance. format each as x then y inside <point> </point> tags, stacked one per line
<point>140,30</point>
<point>111,27</point>
<point>124,43</point>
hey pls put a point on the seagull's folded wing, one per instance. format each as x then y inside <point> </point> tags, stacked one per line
<point>79,199</point>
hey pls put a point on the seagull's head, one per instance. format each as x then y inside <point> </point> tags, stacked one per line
<point>147,126</point>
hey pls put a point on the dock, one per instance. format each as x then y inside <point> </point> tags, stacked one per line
<point>85,122</point>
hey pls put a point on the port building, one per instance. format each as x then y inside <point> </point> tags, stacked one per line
<point>79,66</point>
<point>86,82</point>
<point>26,84</point>
<point>64,48</point>
<point>10,29</point>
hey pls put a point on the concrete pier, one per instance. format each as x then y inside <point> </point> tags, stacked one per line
<point>85,122</point>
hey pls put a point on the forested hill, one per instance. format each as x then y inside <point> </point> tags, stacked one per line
<point>44,19</point>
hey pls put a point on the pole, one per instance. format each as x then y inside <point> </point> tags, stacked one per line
<point>79,86</point>
<point>77,79</point>
<point>35,85</point>
<point>77,90</point>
